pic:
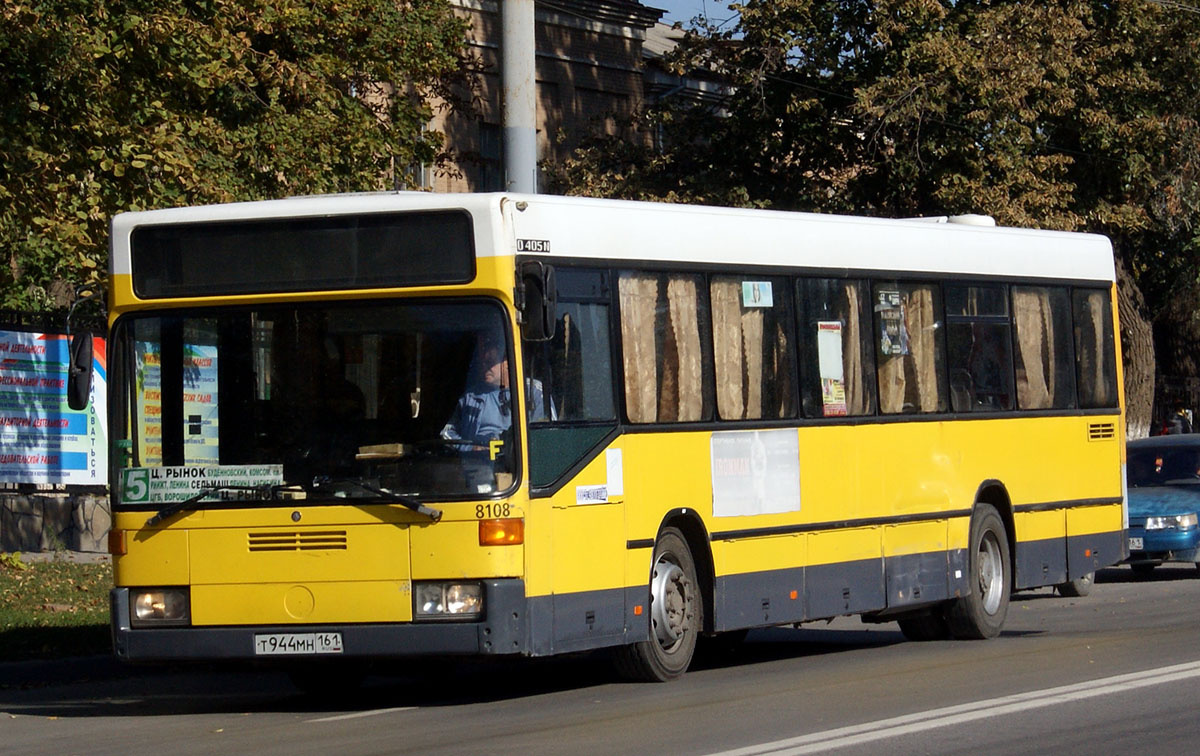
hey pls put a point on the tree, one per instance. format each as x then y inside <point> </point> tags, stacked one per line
<point>1069,115</point>
<point>108,106</point>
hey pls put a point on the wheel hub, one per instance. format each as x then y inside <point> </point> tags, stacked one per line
<point>671,603</point>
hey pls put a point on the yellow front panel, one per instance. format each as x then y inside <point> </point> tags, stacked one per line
<point>153,557</point>
<point>277,555</point>
<point>302,602</point>
<point>451,550</point>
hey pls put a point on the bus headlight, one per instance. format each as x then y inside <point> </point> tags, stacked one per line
<point>159,606</point>
<point>447,601</point>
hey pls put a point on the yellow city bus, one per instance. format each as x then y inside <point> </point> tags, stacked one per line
<point>727,419</point>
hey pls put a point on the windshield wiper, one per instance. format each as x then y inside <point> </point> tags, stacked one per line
<point>405,501</point>
<point>194,502</point>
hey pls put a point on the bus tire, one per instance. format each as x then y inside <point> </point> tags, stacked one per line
<point>1077,588</point>
<point>676,615</point>
<point>980,614</point>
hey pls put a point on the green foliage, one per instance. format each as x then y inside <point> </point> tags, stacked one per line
<point>135,104</point>
<point>12,561</point>
<point>52,609</point>
<point>1071,115</point>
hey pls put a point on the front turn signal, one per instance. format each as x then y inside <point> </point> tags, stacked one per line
<point>506,532</point>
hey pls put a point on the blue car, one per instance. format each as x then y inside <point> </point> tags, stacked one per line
<point>1163,473</point>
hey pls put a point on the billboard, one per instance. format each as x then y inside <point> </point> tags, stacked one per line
<point>41,439</point>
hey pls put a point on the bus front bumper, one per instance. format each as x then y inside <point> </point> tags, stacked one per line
<point>501,631</point>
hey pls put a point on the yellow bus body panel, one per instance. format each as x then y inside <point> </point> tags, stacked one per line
<point>153,558</point>
<point>298,602</point>
<point>1040,526</point>
<point>1099,519</point>
<point>451,550</point>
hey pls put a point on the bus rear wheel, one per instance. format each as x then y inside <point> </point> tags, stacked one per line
<point>980,613</point>
<point>676,615</point>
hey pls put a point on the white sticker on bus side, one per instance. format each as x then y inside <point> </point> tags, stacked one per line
<point>616,472</point>
<point>591,494</point>
<point>755,472</point>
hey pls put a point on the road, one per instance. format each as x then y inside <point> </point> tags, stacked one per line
<point>1117,671</point>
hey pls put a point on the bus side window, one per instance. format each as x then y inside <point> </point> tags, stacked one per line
<point>573,376</point>
<point>573,371</point>
<point>1095,352</point>
<point>911,359</point>
<point>1044,368</point>
<point>979,354</point>
<point>752,347</point>
<point>665,346</point>
<point>837,361</point>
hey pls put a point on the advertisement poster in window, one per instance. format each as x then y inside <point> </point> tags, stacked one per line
<point>200,437</point>
<point>893,333</point>
<point>41,439</point>
<point>829,359</point>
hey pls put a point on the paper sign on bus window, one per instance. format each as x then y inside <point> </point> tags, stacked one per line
<point>755,472</point>
<point>893,338</point>
<point>829,359</point>
<point>161,485</point>
<point>757,294</point>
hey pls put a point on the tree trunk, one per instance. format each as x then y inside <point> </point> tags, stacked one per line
<point>1137,351</point>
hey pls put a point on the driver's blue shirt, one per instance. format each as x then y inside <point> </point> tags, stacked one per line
<point>484,412</point>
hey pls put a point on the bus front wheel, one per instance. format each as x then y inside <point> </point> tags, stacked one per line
<point>981,612</point>
<point>675,615</point>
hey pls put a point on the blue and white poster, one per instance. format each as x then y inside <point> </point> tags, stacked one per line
<point>41,439</point>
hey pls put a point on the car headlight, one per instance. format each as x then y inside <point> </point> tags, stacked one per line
<point>1172,522</point>
<point>159,606</point>
<point>447,601</point>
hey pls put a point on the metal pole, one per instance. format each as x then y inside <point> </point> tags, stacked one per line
<point>519,95</point>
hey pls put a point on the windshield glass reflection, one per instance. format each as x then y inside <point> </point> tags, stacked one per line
<point>337,401</point>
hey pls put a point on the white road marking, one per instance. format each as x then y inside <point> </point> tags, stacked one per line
<point>952,715</point>
<point>361,714</point>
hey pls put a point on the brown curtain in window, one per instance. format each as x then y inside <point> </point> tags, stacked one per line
<point>857,399</point>
<point>687,396</point>
<point>752,345</point>
<point>921,321</point>
<point>782,369</point>
<point>1035,343</point>
<point>1092,352</point>
<point>727,347</point>
<point>638,297</point>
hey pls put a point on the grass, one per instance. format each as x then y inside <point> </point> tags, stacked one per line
<point>53,609</point>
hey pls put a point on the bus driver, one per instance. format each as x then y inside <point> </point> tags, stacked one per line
<point>484,412</point>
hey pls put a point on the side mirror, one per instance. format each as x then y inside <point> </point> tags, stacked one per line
<point>79,372</point>
<point>539,301</point>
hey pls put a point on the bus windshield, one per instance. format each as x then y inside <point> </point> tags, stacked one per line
<point>331,401</point>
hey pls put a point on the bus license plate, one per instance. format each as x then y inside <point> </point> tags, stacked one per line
<point>1135,543</point>
<point>297,643</point>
